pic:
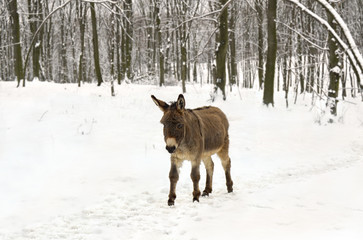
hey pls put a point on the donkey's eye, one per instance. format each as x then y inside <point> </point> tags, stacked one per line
<point>179,125</point>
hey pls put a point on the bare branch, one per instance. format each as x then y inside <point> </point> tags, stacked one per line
<point>38,30</point>
<point>219,11</point>
<point>301,35</point>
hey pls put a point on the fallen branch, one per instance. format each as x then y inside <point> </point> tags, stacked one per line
<point>41,117</point>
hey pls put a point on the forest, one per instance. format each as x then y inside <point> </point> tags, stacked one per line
<point>296,46</point>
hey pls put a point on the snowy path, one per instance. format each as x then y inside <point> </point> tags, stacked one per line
<point>284,205</point>
<point>75,164</point>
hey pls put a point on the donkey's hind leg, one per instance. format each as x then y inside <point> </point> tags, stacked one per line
<point>226,163</point>
<point>209,166</point>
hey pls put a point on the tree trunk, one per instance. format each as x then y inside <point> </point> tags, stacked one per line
<point>48,42</point>
<point>150,42</point>
<point>167,48</point>
<point>81,10</point>
<point>128,39</point>
<point>3,58</point>
<point>222,46</point>
<point>299,62</point>
<point>183,46</point>
<point>160,46</point>
<point>259,7</point>
<point>232,46</point>
<point>112,48</point>
<point>118,46</point>
<point>183,55</point>
<point>15,27</point>
<point>268,93</point>
<point>35,18</point>
<point>334,69</point>
<point>344,77</point>
<point>309,50</point>
<point>95,45</point>
<point>63,69</point>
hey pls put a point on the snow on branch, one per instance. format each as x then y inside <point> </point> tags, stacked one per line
<point>351,49</point>
<point>345,30</point>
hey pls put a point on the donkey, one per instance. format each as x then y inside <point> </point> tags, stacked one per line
<point>195,135</point>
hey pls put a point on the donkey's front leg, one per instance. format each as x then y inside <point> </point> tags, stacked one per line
<point>174,177</point>
<point>195,175</point>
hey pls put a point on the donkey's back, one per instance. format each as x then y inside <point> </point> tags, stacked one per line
<point>214,127</point>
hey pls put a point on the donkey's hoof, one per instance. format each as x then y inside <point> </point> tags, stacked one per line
<point>171,202</point>
<point>195,199</point>
<point>230,187</point>
<point>205,194</point>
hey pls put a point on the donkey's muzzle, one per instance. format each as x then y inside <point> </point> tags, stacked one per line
<point>170,149</point>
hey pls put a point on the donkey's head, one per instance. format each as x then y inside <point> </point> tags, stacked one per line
<point>173,121</point>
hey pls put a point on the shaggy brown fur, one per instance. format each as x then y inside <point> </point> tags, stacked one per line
<point>195,135</point>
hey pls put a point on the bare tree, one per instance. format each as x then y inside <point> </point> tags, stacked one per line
<point>95,45</point>
<point>233,76</point>
<point>221,51</point>
<point>35,11</point>
<point>268,93</point>
<point>160,46</point>
<point>15,27</point>
<point>259,8</point>
<point>128,38</point>
<point>334,69</point>
<point>81,15</point>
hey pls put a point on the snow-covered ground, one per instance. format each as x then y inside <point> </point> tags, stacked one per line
<point>76,163</point>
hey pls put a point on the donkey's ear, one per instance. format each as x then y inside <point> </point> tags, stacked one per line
<point>180,103</point>
<point>161,104</point>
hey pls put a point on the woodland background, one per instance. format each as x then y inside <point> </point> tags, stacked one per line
<point>168,42</point>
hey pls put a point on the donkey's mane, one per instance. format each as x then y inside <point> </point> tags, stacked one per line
<point>201,108</point>
<point>172,105</point>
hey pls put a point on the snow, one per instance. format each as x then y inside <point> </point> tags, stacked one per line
<point>76,163</point>
<point>336,70</point>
